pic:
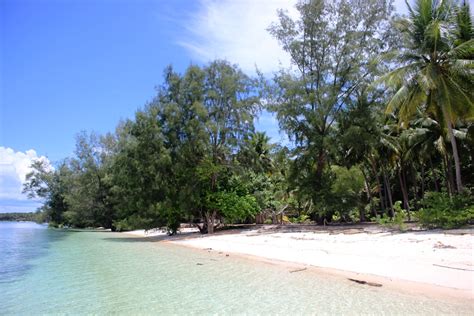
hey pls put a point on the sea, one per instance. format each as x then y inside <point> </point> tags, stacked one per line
<point>45,271</point>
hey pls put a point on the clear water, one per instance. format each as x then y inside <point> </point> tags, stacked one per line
<point>46,271</point>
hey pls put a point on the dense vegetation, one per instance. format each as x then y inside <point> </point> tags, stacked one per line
<point>378,109</point>
<point>23,217</point>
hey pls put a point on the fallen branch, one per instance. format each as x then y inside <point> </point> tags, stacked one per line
<point>298,270</point>
<point>365,282</point>
<point>439,265</point>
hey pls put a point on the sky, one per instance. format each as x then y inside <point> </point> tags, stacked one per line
<point>73,65</point>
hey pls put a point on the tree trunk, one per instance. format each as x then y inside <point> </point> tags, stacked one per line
<point>416,191</point>
<point>382,196</point>
<point>403,185</point>
<point>369,197</point>
<point>435,179</point>
<point>379,186</point>
<point>422,181</point>
<point>457,163</point>
<point>274,218</point>
<point>449,176</point>
<point>361,214</point>
<point>389,193</point>
<point>210,218</point>
<point>404,190</point>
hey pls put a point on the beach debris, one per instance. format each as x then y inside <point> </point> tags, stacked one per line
<point>199,264</point>
<point>226,254</point>
<point>365,282</point>
<point>439,265</point>
<point>208,249</point>
<point>440,245</point>
<point>298,270</point>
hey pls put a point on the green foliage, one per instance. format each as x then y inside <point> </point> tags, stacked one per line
<point>383,220</point>
<point>398,221</point>
<point>439,210</point>
<point>332,68</point>
<point>344,196</point>
<point>51,185</point>
<point>302,219</point>
<point>347,182</point>
<point>232,206</point>
<point>432,74</point>
<point>38,217</point>
<point>130,223</point>
<point>400,216</point>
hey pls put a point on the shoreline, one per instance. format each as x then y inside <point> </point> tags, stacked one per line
<point>390,284</point>
<point>432,263</point>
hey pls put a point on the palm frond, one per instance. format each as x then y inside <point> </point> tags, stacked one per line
<point>463,51</point>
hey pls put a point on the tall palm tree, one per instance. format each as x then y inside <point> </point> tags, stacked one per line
<point>437,67</point>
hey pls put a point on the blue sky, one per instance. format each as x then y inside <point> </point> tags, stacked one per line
<point>72,65</point>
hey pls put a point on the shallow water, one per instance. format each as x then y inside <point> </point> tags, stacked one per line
<point>46,271</point>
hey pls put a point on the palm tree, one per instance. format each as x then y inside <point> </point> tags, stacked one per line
<point>436,72</point>
<point>257,152</point>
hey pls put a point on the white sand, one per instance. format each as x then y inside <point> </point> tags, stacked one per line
<point>432,258</point>
<point>417,257</point>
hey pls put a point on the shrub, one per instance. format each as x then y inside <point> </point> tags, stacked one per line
<point>397,221</point>
<point>302,219</point>
<point>439,210</point>
<point>286,219</point>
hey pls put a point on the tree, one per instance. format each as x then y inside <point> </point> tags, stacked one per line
<point>435,68</point>
<point>331,46</point>
<point>88,198</point>
<point>141,172</point>
<point>49,184</point>
<point>178,159</point>
<point>256,152</point>
<point>230,104</point>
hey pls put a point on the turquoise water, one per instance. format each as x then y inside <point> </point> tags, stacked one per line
<point>46,271</point>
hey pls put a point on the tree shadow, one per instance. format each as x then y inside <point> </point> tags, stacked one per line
<point>258,230</point>
<point>160,238</point>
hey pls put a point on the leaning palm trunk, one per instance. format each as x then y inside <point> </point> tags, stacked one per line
<point>452,139</point>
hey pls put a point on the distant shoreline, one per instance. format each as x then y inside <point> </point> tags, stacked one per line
<point>433,263</point>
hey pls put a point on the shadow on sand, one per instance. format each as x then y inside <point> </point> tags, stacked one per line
<point>256,230</point>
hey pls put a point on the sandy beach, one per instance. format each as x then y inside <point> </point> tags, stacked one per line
<point>440,261</point>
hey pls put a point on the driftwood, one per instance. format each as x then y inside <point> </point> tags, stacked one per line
<point>439,265</point>
<point>365,282</point>
<point>298,270</point>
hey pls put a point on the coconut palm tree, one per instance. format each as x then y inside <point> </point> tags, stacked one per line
<point>436,72</point>
<point>257,152</point>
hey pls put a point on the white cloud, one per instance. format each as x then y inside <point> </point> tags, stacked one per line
<point>236,30</point>
<point>14,166</point>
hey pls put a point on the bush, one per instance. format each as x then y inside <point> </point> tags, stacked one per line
<point>286,219</point>
<point>439,210</point>
<point>302,219</point>
<point>397,221</point>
